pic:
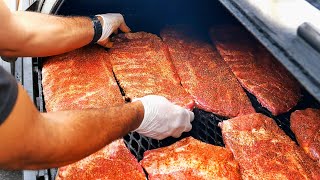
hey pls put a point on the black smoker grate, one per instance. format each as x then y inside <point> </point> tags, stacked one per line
<point>205,127</point>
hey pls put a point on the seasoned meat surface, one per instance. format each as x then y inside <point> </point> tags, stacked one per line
<point>204,74</point>
<point>256,69</point>
<point>190,159</point>
<point>142,66</point>
<point>112,162</point>
<point>264,151</point>
<point>306,126</point>
<point>80,79</point>
<point>83,79</point>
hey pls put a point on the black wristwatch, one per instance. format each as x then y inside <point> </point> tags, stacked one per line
<point>97,29</point>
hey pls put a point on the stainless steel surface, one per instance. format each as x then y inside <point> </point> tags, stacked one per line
<point>6,66</point>
<point>310,34</point>
<point>275,24</point>
<point>49,5</point>
<point>9,59</point>
<point>10,175</point>
<point>315,3</point>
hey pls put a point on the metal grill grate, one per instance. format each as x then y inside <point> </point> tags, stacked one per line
<point>205,127</point>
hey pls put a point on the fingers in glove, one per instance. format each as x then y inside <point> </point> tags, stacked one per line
<point>124,28</point>
<point>188,127</point>
<point>183,128</point>
<point>191,114</point>
<point>158,136</point>
<point>106,43</point>
<point>184,113</point>
<point>178,132</point>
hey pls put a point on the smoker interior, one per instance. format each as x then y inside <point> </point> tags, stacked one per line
<point>151,16</point>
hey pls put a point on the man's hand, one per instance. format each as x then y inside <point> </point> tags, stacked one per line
<point>163,119</point>
<point>53,35</point>
<point>111,22</point>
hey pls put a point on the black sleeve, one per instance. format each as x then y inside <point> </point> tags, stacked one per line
<point>8,94</point>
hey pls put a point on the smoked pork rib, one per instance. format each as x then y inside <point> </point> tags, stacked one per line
<point>190,159</point>
<point>264,151</point>
<point>83,79</point>
<point>112,162</point>
<point>204,74</point>
<point>306,126</point>
<point>256,69</point>
<point>80,79</point>
<point>142,66</point>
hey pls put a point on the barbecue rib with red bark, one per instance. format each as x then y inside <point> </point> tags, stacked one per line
<point>142,66</point>
<point>83,79</point>
<point>264,151</point>
<point>80,79</point>
<point>190,159</point>
<point>112,162</point>
<point>204,74</point>
<point>256,69</point>
<point>306,126</point>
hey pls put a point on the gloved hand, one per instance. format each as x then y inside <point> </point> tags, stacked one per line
<point>163,119</point>
<point>111,22</point>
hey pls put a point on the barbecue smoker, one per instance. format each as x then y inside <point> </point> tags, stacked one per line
<point>285,28</point>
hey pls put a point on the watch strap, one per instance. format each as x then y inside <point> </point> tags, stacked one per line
<point>97,29</point>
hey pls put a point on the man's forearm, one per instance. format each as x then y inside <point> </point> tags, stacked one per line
<point>33,140</point>
<point>70,135</point>
<point>44,35</point>
<point>35,34</point>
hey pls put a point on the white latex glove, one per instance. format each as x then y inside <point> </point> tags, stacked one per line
<point>111,22</point>
<point>163,119</point>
